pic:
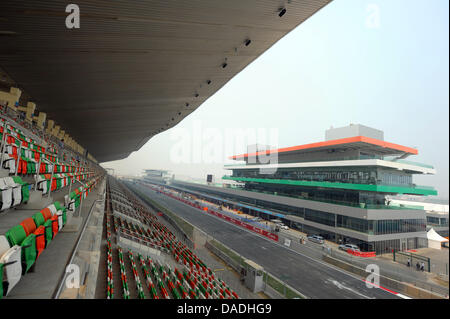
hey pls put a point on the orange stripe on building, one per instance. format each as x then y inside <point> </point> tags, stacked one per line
<point>341,141</point>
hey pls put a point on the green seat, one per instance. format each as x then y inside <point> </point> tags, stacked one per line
<point>58,206</point>
<point>31,166</point>
<point>39,219</point>
<point>48,231</point>
<point>29,252</point>
<point>16,235</point>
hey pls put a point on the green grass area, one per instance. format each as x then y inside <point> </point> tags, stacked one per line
<point>186,227</point>
<point>238,259</point>
<point>280,288</point>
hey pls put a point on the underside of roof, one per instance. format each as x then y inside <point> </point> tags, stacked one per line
<point>134,68</point>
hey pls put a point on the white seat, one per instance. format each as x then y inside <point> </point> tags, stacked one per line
<point>71,206</point>
<point>60,219</point>
<point>42,184</point>
<point>11,272</point>
<point>9,162</point>
<point>17,190</point>
<point>52,208</point>
<point>6,194</point>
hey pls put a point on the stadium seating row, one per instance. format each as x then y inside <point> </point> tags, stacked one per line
<point>21,245</point>
<point>123,275</point>
<point>45,182</point>
<point>13,191</point>
<point>197,280</point>
<point>109,261</point>
<point>140,290</point>
<point>32,157</point>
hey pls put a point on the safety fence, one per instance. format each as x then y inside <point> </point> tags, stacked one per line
<point>206,209</point>
<point>273,287</point>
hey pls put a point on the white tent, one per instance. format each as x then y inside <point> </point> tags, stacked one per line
<point>434,239</point>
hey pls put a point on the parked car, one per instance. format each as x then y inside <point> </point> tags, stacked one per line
<point>349,246</point>
<point>282,226</point>
<point>316,239</point>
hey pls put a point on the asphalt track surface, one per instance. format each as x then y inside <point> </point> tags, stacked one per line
<point>311,277</point>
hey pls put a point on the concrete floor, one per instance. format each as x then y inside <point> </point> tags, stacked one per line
<point>439,259</point>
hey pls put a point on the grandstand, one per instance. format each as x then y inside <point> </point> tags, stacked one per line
<point>166,269</point>
<point>47,173</point>
<point>71,99</point>
<point>42,186</point>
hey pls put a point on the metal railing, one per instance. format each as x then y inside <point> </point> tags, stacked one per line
<point>75,250</point>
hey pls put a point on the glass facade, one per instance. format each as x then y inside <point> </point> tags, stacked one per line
<point>370,227</point>
<point>437,221</point>
<point>357,224</point>
<point>382,227</point>
<point>380,247</point>
<point>395,179</point>
<point>354,175</point>
<point>323,218</point>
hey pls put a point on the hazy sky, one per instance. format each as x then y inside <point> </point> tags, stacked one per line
<point>383,64</point>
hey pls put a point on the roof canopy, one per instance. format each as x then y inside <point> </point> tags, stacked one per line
<point>134,68</point>
<point>359,142</point>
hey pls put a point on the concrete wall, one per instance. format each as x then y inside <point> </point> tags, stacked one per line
<point>397,286</point>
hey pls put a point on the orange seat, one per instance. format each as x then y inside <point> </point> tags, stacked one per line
<point>55,226</point>
<point>28,225</point>
<point>46,213</point>
<point>40,239</point>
